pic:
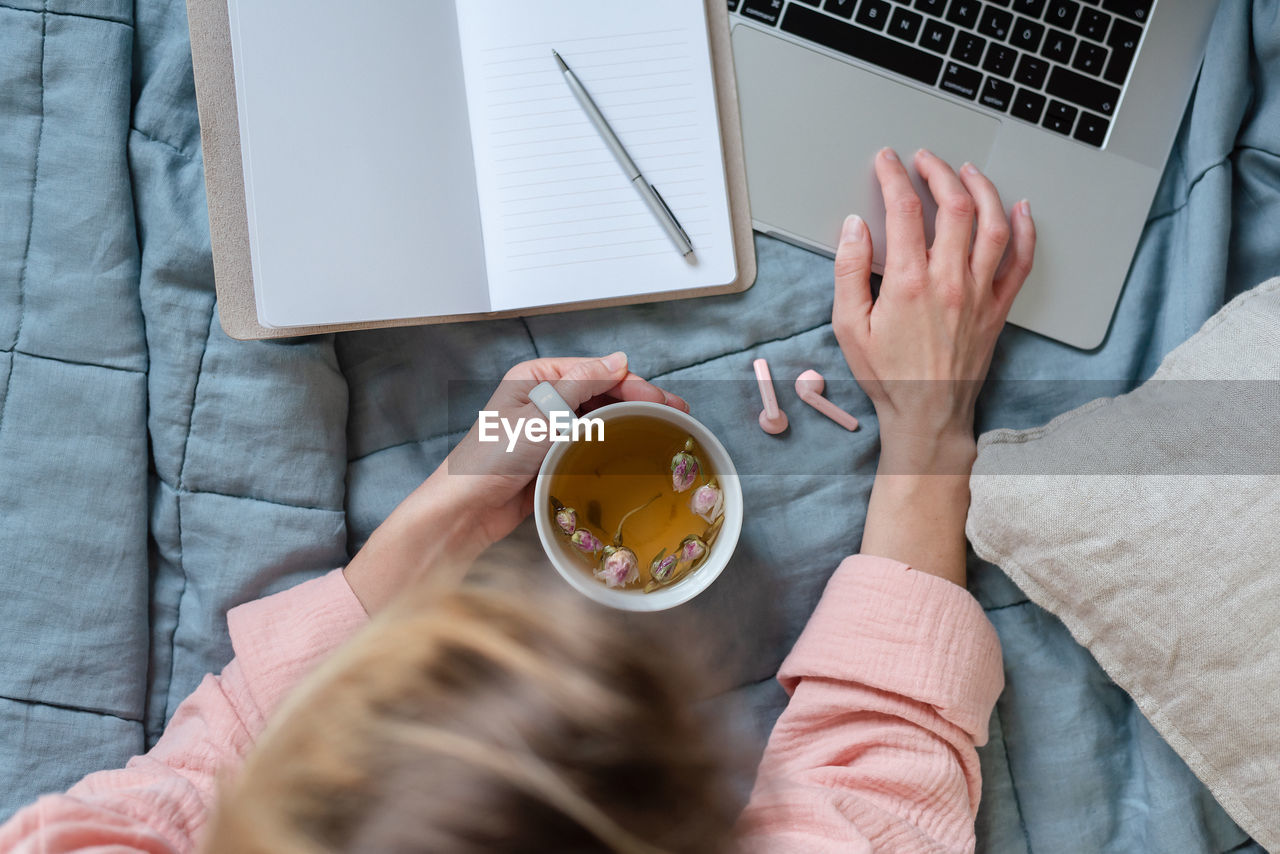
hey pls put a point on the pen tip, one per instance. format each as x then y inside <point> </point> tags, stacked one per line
<point>559,61</point>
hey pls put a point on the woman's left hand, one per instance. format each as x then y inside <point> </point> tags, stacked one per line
<point>494,483</point>
<point>483,490</point>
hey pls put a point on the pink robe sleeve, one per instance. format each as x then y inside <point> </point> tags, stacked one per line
<point>892,684</point>
<point>160,801</point>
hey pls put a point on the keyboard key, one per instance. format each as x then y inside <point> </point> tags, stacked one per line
<point>766,11</point>
<point>733,5</point>
<point>1026,34</point>
<point>1093,24</point>
<point>995,23</point>
<point>1030,8</point>
<point>812,2</point>
<point>1000,60</point>
<point>843,8</point>
<point>1090,58</point>
<point>1092,129</point>
<point>873,14</point>
<point>1124,46</point>
<point>1059,46</point>
<point>964,12</point>
<point>1139,10</point>
<point>1089,93</point>
<point>1060,117</point>
<point>1028,106</point>
<point>996,94</point>
<point>905,24</point>
<point>860,44</point>
<point>961,81</point>
<point>1031,72</point>
<point>999,2</point>
<point>937,36</point>
<point>932,7</point>
<point>968,48</point>
<point>1062,13</point>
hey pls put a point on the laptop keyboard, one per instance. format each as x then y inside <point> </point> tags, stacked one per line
<point>1059,64</point>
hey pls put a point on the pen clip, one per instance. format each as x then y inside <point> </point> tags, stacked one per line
<point>667,208</point>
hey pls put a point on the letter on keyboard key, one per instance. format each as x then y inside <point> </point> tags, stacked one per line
<point>1078,89</point>
<point>905,25</point>
<point>1062,13</point>
<point>873,14</point>
<point>963,12</point>
<point>843,8</point>
<point>961,81</point>
<point>995,23</point>
<point>860,44</point>
<point>1026,34</point>
<point>937,36</point>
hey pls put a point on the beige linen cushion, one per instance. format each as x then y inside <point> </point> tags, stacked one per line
<point>1150,525</point>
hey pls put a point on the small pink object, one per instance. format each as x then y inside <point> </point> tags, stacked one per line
<point>809,386</point>
<point>772,420</point>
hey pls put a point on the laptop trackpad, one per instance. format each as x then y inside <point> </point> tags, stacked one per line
<point>812,126</point>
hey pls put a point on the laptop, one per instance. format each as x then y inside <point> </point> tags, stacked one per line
<point>1072,104</point>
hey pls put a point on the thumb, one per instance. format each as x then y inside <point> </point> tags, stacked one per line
<point>853,273</point>
<point>590,377</point>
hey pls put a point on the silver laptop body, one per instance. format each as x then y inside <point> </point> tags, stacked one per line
<point>824,84</point>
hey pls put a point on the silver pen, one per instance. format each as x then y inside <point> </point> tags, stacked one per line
<point>647,191</point>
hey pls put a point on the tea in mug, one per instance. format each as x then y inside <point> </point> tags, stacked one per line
<point>640,508</point>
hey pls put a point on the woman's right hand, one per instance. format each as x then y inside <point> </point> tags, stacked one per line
<point>921,350</point>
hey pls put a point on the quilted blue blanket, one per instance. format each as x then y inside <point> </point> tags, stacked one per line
<point>155,473</point>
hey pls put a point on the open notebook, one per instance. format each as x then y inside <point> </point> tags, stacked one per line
<point>414,162</point>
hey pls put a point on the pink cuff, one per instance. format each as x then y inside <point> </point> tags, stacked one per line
<point>280,638</point>
<point>887,626</point>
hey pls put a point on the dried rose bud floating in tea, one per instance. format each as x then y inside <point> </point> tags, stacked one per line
<point>567,520</point>
<point>684,468</point>
<point>663,568</point>
<point>618,567</point>
<point>587,542</point>
<point>707,501</point>
<point>649,492</point>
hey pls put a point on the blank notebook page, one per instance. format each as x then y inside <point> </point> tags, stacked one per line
<point>561,221</point>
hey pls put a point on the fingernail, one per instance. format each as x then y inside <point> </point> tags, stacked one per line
<point>889,154</point>
<point>615,361</point>
<point>1024,207</point>
<point>852,231</point>
<point>922,152</point>
<point>969,169</point>
<point>676,400</point>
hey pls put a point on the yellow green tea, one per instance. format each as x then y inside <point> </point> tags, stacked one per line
<point>623,493</point>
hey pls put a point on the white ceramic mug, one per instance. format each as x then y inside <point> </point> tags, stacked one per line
<point>562,553</point>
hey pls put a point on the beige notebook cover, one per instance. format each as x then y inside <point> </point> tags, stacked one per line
<point>230,215</point>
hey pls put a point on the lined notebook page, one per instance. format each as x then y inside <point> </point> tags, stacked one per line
<point>561,221</point>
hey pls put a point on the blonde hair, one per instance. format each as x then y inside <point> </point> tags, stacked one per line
<point>486,720</point>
